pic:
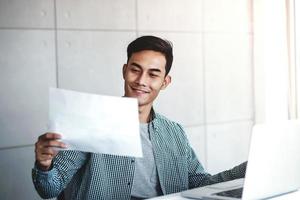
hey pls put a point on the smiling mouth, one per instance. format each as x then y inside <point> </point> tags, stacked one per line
<point>139,91</point>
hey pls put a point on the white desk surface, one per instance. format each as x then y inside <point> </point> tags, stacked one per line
<point>177,196</point>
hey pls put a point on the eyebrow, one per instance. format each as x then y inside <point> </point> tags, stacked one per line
<point>151,69</point>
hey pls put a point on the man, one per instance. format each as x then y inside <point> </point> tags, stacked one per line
<point>169,164</point>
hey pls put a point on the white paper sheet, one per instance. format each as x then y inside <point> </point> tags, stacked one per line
<point>95,123</point>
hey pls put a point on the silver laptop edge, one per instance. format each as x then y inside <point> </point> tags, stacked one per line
<point>273,164</point>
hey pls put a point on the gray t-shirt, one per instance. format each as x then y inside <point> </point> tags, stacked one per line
<point>145,182</point>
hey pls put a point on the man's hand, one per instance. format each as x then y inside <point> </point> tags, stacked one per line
<point>45,149</point>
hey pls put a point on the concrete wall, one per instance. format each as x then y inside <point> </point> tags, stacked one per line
<point>81,45</point>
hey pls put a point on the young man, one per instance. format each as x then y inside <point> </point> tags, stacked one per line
<point>169,164</point>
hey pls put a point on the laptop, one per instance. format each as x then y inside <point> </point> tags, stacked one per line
<point>273,167</point>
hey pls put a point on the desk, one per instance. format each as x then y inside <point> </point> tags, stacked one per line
<point>176,196</point>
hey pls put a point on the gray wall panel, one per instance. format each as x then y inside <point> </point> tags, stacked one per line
<point>27,13</point>
<point>15,168</point>
<point>27,62</point>
<point>228,75</point>
<point>227,16</point>
<point>170,15</point>
<point>100,14</point>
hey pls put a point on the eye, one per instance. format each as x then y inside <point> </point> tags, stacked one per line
<point>153,75</point>
<point>135,70</point>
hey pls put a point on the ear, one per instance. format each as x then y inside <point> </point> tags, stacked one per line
<point>124,70</point>
<point>166,82</point>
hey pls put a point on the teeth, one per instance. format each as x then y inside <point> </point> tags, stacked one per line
<point>140,90</point>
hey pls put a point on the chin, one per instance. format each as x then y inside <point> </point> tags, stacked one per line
<point>141,102</point>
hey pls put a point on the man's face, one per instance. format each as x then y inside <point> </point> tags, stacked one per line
<point>144,76</point>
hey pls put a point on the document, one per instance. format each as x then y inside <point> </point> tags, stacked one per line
<point>95,123</point>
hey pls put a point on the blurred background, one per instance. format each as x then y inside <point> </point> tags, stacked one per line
<point>235,65</point>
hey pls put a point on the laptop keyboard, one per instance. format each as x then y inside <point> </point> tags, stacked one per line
<point>236,193</point>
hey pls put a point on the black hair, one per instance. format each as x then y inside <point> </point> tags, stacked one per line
<point>155,44</point>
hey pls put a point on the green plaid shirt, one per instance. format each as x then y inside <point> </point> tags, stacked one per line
<point>81,175</point>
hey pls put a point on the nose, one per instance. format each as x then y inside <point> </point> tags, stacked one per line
<point>142,79</point>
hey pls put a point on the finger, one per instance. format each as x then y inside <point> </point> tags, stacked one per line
<point>45,164</point>
<point>54,143</point>
<point>44,157</point>
<point>50,143</point>
<point>50,136</point>
<point>49,151</point>
<point>46,154</point>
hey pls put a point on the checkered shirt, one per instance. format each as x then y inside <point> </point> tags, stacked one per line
<point>82,175</point>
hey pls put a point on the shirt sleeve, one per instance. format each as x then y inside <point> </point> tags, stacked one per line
<point>196,174</point>
<point>199,177</point>
<point>50,184</point>
<point>238,171</point>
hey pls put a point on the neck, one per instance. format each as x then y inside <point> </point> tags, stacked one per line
<point>144,113</point>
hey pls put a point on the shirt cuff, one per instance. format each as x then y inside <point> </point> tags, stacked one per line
<point>41,174</point>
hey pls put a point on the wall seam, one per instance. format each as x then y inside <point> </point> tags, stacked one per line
<point>204,88</point>
<point>219,122</point>
<point>56,45</point>
<point>16,147</point>
<point>136,19</point>
<point>251,21</point>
